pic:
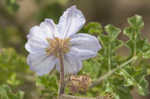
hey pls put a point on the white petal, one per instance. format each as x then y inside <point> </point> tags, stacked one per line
<point>35,45</point>
<point>37,38</point>
<point>82,53</point>
<point>71,64</point>
<point>70,22</point>
<point>85,41</point>
<point>46,30</point>
<point>40,63</point>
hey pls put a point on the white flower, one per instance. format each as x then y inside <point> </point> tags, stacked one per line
<point>46,40</point>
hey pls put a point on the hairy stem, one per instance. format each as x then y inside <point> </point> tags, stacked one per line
<point>62,84</point>
<point>111,72</point>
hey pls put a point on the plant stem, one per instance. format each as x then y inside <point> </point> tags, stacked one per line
<point>109,57</point>
<point>62,84</point>
<point>112,71</point>
<point>134,53</point>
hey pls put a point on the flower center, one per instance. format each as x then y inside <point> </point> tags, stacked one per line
<point>58,46</point>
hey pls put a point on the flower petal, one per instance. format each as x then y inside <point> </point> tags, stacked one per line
<point>71,64</point>
<point>46,30</point>
<point>40,63</point>
<point>70,22</point>
<point>35,45</point>
<point>84,45</point>
<point>82,54</point>
<point>37,38</point>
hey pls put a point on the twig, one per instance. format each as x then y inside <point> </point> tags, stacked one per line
<point>111,72</point>
<point>62,84</point>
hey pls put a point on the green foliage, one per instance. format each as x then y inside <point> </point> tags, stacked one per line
<point>50,84</point>
<point>136,77</point>
<point>112,31</point>
<point>12,68</point>
<point>132,75</point>
<point>12,6</point>
<point>93,28</point>
<point>117,89</point>
<point>12,65</point>
<point>14,72</point>
<point>136,43</point>
<point>136,22</point>
<point>6,93</point>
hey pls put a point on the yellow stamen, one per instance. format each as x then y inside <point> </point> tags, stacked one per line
<point>58,45</point>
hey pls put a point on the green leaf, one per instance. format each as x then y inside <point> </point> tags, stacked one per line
<point>12,80</point>
<point>134,33</point>
<point>143,87</point>
<point>112,31</point>
<point>123,93</point>
<point>93,28</point>
<point>115,87</point>
<point>136,77</point>
<point>50,84</point>
<point>90,66</point>
<point>136,22</point>
<point>130,32</point>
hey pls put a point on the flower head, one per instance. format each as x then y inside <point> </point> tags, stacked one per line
<point>47,40</point>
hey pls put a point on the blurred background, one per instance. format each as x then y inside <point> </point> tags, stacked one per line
<point>18,16</point>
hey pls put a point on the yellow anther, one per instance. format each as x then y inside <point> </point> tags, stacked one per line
<point>58,45</point>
